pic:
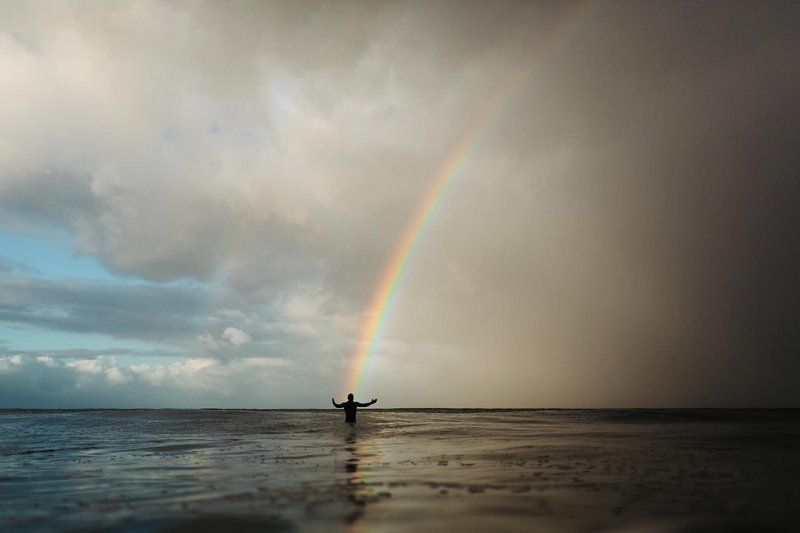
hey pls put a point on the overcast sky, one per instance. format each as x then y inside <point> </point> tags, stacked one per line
<point>197,201</point>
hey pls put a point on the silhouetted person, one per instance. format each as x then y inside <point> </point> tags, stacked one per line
<point>350,407</point>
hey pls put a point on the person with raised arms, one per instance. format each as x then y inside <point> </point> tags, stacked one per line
<point>350,407</point>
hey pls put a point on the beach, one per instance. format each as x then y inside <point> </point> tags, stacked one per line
<point>400,470</point>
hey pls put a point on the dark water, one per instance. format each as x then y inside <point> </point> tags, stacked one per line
<point>399,470</point>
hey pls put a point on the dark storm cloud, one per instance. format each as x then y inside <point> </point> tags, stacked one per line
<point>645,234</point>
<point>701,186</point>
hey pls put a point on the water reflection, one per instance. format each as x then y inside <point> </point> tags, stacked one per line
<point>486,470</point>
<point>354,486</point>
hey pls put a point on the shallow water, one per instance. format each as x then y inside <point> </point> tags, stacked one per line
<point>397,470</point>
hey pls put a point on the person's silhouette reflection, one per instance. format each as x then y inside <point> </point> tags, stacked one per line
<point>353,485</point>
<point>351,466</point>
<point>350,407</point>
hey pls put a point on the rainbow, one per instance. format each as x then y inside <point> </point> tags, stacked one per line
<point>457,156</point>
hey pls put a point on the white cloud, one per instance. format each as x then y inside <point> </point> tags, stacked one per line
<point>165,383</point>
<point>86,366</point>
<point>192,366</point>
<point>115,376</point>
<point>154,375</point>
<point>236,336</point>
<point>9,363</point>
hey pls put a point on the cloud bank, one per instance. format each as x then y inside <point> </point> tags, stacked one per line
<point>624,235</point>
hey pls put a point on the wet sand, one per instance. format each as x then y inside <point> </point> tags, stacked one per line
<point>400,470</point>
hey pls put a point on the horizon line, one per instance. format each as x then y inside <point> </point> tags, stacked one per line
<point>729,408</point>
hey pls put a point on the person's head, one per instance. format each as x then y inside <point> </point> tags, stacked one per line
<point>350,396</point>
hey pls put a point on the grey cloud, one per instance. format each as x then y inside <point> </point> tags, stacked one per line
<point>8,265</point>
<point>91,353</point>
<point>67,200</point>
<point>625,233</point>
<point>39,382</point>
<point>654,259</point>
<point>299,149</point>
<point>186,319</point>
<point>120,310</point>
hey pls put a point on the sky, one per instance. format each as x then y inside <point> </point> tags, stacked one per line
<point>198,201</point>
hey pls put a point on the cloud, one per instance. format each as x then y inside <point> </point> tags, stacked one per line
<point>86,366</point>
<point>619,236</point>
<point>89,353</point>
<point>102,382</point>
<point>115,375</point>
<point>10,363</point>
<point>142,311</point>
<point>232,313</point>
<point>298,330</point>
<point>46,360</point>
<point>126,160</point>
<point>208,340</point>
<point>302,330</point>
<point>236,336</point>
<point>8,265</point>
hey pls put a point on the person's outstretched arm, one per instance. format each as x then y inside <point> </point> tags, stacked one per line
<point>336,405</point>
<point>367,404</point>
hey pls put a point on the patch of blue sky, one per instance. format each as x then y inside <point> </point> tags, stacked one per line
<point>27,338</point>
<point>52,258</point>
<point>55,258</point>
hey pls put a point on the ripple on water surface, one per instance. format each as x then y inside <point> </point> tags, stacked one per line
<point>405,469</point>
